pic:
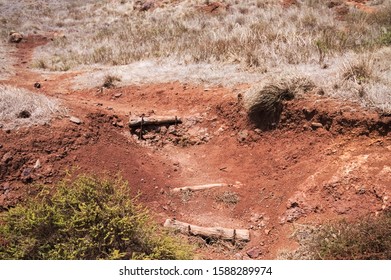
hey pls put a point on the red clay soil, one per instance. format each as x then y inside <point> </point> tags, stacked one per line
<point>325,161</point>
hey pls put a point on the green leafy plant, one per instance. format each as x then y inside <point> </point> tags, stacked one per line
<point>85,218</point>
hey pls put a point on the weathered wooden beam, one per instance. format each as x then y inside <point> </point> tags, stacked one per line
<point>209,232</point>
<point>138,122</point>
<point>200,187</point>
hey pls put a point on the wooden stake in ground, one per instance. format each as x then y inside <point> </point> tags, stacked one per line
<point>200,187</point>
<point>209,232</point>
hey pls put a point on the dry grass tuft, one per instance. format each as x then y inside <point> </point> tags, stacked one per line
<point>110,80</point>
<point>366,239</point>
<point>359,71</point>
<point>19,107</point>
<point>264,103</point>
<point>229,198</point>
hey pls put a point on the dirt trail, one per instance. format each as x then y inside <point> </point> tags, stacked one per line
<point>325,161</point>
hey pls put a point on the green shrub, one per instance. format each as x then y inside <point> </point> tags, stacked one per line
<point>85,218</point>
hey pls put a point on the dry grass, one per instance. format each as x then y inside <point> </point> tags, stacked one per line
<point>110,81</point>
<point>229,198</point>
<point>360,71</point>
<point>366,239</point>
<point>19,107</point>
<point>256,38</point>
<point>264,102</point>
<point>6,62</point>
<point>246,34</point>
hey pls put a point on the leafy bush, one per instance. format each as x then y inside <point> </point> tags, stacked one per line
<point>85,218</point>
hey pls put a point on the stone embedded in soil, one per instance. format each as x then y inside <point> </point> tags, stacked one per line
<point>243,135</point>
<point>238,256</point>
<point>293,214</point>
<point>316,125</point>
<point>37,164</point>
<point>7,157</point>
<point>254,252</point>
<point>75,120</point>
<point>15,37</point>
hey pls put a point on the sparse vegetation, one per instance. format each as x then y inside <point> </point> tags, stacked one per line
<point>109,81</point>
<point>85,218</point>
<point>259,37</point>
<point>360,71</point>
<point>366,239</point>
<point>229,198</point>
<point>19,107</point>
<point>264,103</point>
<point>242,32</point>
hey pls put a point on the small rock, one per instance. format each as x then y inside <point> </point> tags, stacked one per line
<point>316,125</point>
<point>7,157</point>
<point>1,146</point>
<point>26,172</point>
<point>254,252</point>
<point>267,231</point>
<point>37,85</point>
<point>15,37</point>
<point>75,120</point>
<point>1,126</point>
<point>242,136</point>
<point>26,175</point>
<point>172,130</point>
<point>120,124</point>
<point>256,218</point>
<point>37,164</point>
<point>238,256</point>
<point>149,136</point>
<point>294,214</point>
<point>163,130</point>
<point>117,95</point>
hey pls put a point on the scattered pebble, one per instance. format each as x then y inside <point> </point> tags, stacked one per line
<point>75,120</point>
<point>37,164</point>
